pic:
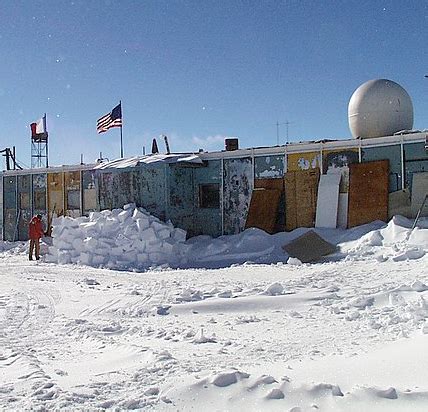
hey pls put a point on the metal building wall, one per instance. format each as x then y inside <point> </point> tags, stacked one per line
<point>24,205</point>
<point>207,221</point>
<point>152,189</point>
<point>303,161</point>
<point>72,193</point>
<point>1,208</point>
<point>39,196</point>
<point>238,183</point>
<point>10,207</point>
<point>90,199</point>
<point>269,167</point>
<point>415,161</point>
<point>56,194</point>
<point>180,199</point>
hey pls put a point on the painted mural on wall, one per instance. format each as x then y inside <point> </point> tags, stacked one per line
<point>335,161</point>
<point>269,167</point>
<point>237,187</point>
<point>303,161</point>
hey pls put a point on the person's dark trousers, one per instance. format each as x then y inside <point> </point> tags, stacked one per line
<point>34,246</point>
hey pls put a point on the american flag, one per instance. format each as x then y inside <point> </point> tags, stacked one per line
<point>113,119</point>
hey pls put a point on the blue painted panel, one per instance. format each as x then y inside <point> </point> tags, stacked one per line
<point>391,153</point>
<point>237,188</point>
<point>152,189</point>
<point>180,207</point>
<point>415,161</point>
<point>207,220</point>
<point>9,211</point>
<point>269,167</point>
<point>24,206</point>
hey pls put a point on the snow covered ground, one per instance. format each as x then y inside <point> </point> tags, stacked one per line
<point>347,334</point>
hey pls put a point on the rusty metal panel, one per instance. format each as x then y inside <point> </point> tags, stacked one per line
<point>393,155</point>
<point>368,192</point>
<point>263,209</point>
<point>269,167</point>
<point>10,207</point>
<point>24,206</point>
<point>55,194</point>
<point>303,161</point>
<point>89,191</point>
<point>180,196</point>
<point>301,191</point>
<point>237,187</point>
<point>339,161</point>
<point>207,221</point>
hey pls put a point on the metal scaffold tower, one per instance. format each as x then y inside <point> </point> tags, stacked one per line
<point>39,144</point>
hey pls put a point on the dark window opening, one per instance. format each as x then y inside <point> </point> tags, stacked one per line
<point>209,196</point>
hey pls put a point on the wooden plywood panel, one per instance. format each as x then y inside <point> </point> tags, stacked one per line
<point>368,192</point>
<point>301,189</point>
<point>303,161</point>
<point>277,184</point>
<point>263,209</point>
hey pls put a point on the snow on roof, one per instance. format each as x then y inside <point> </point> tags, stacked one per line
<point>150,159</point>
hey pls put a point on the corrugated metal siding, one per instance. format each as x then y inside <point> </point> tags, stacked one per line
<point>391,153</point>
<point>207,221</point>
<point>269,167</point>
<point>237,187</point>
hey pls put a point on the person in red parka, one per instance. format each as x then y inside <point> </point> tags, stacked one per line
<point>35,232</point>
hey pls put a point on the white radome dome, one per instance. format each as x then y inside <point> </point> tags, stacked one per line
<point>378,108</point>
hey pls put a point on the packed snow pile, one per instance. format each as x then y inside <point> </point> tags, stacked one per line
<point>116,239</point>
<point>132,239</point>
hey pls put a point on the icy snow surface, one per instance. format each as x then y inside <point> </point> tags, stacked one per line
<point>238,329</point>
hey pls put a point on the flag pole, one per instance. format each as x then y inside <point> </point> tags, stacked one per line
<point>121,134</point>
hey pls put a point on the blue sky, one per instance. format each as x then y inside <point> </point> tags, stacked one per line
<point>198,71</point>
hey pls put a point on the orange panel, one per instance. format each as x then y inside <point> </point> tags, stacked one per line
<point>368,192</point>
<point>263,211</point>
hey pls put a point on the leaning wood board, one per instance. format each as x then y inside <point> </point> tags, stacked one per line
<point>368,192</point>
<point>263,209</point>
<point>301,190</point>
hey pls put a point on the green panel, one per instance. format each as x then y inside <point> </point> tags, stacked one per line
<point>415,161</point>
<point>24,205</point>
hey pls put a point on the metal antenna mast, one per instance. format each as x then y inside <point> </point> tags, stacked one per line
<point>287,124</point>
